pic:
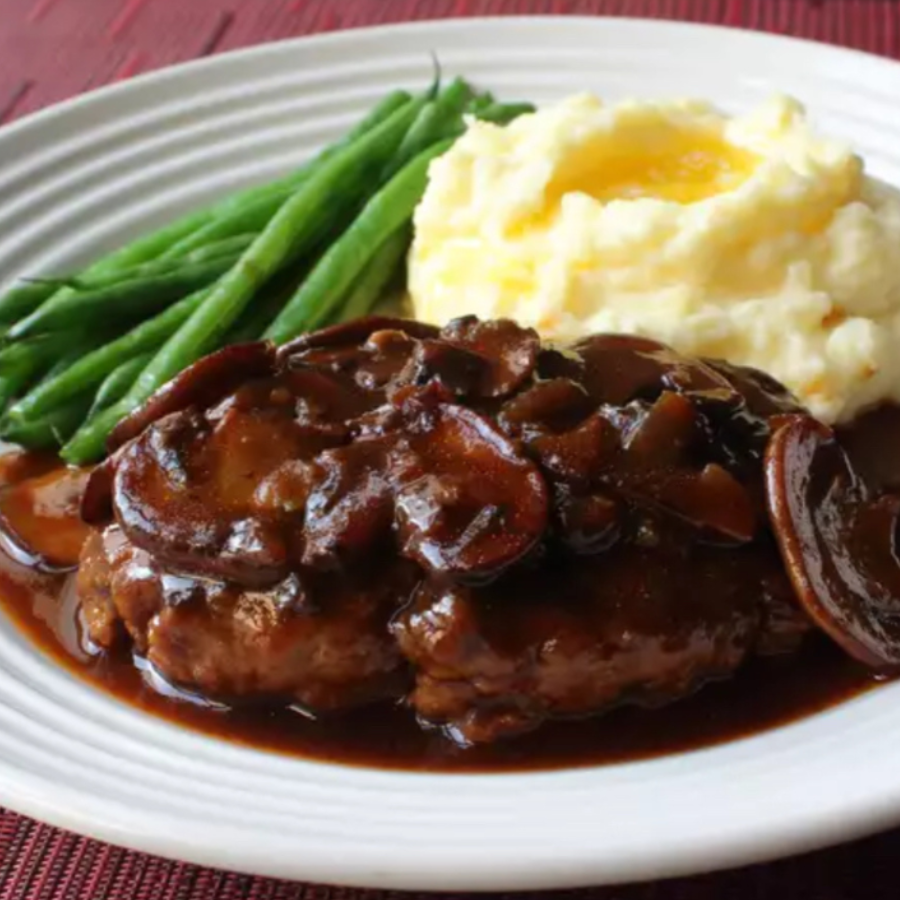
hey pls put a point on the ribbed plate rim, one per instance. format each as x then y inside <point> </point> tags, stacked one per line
<point>468,855</point>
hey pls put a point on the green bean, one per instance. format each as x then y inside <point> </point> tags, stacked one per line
<point>255,205</point>
<point>226,248</point>
<point>28,295</point>
<point>432,123</point>
<point>480,102</point>
<point>290,233</point>
<point>254,322</point>
<point>254,213</point>
<point>31,354</point>
<point>20,300</point>
<point>24,362</point>
<point>382,111</point>
<point>89,441</point>
<point>117,383</point>
<point>123,299</point>
<point>230,246</point>
<point>90,371</point>
<point>373,280</point>
<point>175,241</point>
<point>23,299</point>
<point>62,364</point>
<point>261,311</point>
<point>333,275</point>
<point>149,246</point>
<point>498,113</point>
<point>252,217</point>
<point>11,384</point>
<point>15,356</point>
<point>49,431</point>
<point>501,113</point>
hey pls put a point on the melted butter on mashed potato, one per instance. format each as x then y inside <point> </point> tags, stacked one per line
<point>746,238</point>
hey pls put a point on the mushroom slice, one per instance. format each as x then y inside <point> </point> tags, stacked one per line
<point>366,355</point>
<point>712,500</point>
<point>586,523</point>
<point>96,501</point>
<point>468,503</point>
<point>550,406</point>
<point>838,543</point>
<point>577,456</point>
<point>460,371</point>
<point>763,395</point>
<point>663,462</point>
<point>350,510</point>
<point>509,352</point>
<point>354,333</point>
<point>38,524</point>
<point>202,385</point>
<point>186,490</point>
<point>618,368</point>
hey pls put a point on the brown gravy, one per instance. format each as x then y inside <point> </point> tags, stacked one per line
<point>765,694</point>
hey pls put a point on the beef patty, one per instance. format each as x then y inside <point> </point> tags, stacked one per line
<point>496,531</point>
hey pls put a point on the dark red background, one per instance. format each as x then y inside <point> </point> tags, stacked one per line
<point>52,49</point>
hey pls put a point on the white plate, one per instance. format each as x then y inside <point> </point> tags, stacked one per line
<point>77,179</point>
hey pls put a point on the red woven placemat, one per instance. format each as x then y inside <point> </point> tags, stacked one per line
<point>52,49</point>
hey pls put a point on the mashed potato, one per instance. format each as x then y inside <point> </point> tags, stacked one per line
<point>746,238</point>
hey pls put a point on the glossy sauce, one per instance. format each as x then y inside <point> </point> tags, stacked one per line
<point>38,509</point>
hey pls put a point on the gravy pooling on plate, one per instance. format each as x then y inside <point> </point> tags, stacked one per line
<point>765,694</point>
<point>461,526</point>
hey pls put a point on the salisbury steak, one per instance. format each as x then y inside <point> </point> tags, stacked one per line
<point>640,625</point>
<point>322,643</point>
<point>498,532</point>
